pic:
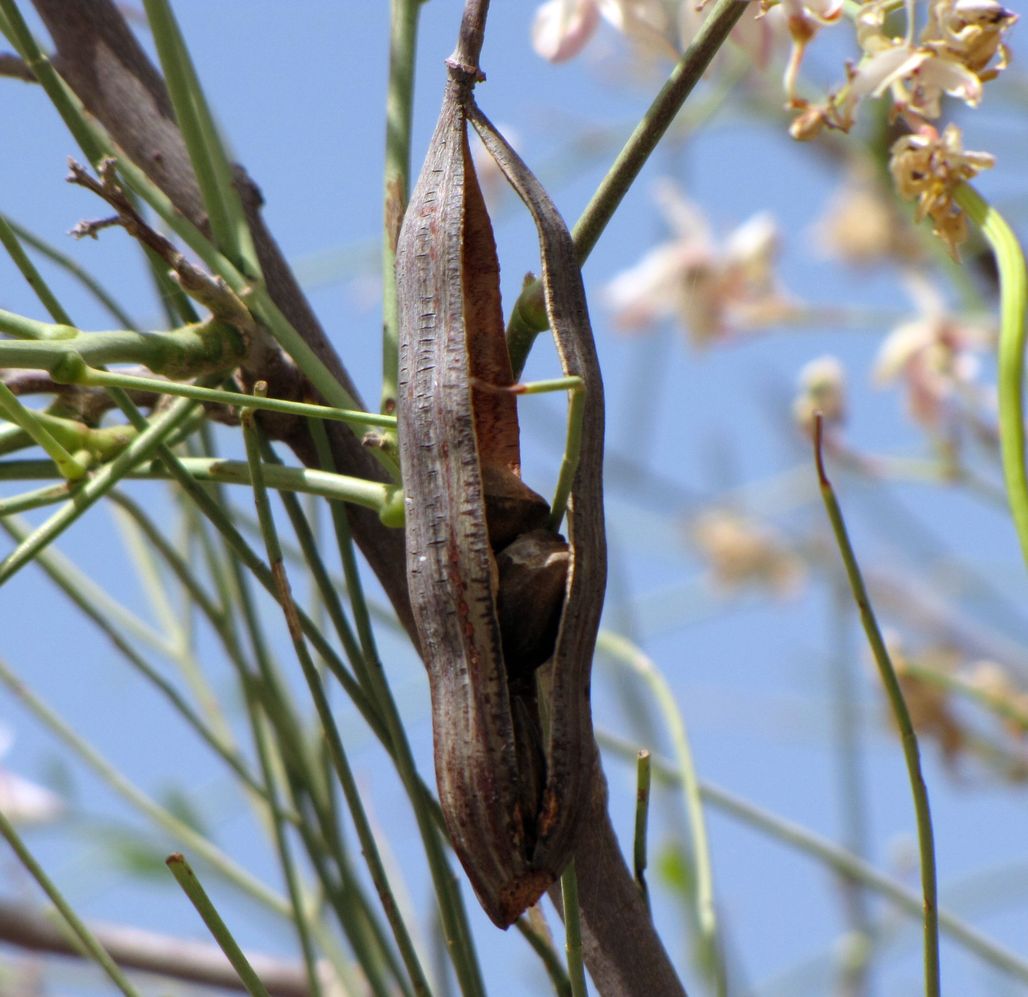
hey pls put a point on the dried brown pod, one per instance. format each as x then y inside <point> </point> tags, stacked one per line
<point>507,611</point>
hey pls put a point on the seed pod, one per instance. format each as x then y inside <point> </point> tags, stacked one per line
<point>511,783</point>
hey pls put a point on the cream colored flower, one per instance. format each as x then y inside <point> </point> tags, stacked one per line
<point>928,167</point>
<point>711,290</point>
<point>862,225</point>
<point>821,389</point>
<point>742,552</point>
<point>935,355</point>
<point>970,31</point>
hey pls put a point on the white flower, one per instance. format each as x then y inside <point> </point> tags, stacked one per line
<point>933,354</point>
<point>708,289</point>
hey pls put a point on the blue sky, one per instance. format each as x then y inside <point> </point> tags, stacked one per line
<point>299,89</point>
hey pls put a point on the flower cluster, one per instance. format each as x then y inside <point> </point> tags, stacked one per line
<point>960,48</point>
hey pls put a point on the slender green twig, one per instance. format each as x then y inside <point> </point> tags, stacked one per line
<point>186,878</point>
<point>67,264</point>
<point>203,142</point>
<point>403,33</point>
<point>212,396</point>
<point>360,491</point>
<point>1013,283</point>
<point>573,930</point>
<point>542,945</point>
<point>9,239</point>
<point>68,353</point>
<point>70,466</point>
<point>528,317</point>
<point>78,927</point>
<point>626,652</point>
<point>642,812</point>
<point>573,441</point>
<point>901,714</point>
<point>96,145</point>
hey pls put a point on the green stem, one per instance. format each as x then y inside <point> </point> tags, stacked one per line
<point>528,317</point>
<point>68,353</point>
<point>216,396</point>
<point>203,142</point>
<point>338,487</point>
<point>186,878</point>
<point>901,714</point>
<point>9,238</point>
<point>9,228</point>
<point>642,812</point>
<point>403,33</point>
<point>573,930</point>
<point>78,927</point>
<point>69,466</point>
<point>1013,282</point>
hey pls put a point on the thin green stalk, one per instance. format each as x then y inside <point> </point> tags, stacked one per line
<point>163,818</point>
<point>339,487</point>
<point>528,317</point>
<point>186,878</point>
<point>854,810</point>
<point>236,399</point>
<point>67,352</point>
<point>329,729</point>
<point>1013,284</point>
<point>451,906</point>
<point>70,466</point>
<point>642,813</point>
<point>105,478</point>
<point>202,139</point>
<point>290,873</point>
<point>573,930</point>
<point>541,945</point>
<point>78,927</point>
<point>38,498</point>
<point>9,239</point>
<point>908,736</point>
<point>403,33</point>
<point>624,651</point>
<point>67,264</point>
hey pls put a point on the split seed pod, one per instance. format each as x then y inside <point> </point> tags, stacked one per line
<point>506,610</point>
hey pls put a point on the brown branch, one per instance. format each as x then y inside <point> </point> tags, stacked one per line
<point>97,54</point>
<point>196,962</point>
